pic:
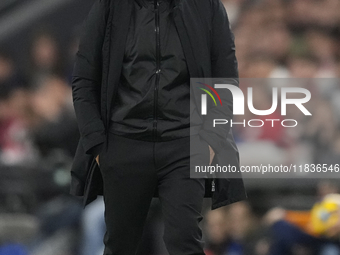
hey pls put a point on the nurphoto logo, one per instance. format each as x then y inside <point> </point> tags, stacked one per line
<point>239,104</point>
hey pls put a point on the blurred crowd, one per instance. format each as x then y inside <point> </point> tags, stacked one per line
<point>277,41</point>
<point>290,43</point>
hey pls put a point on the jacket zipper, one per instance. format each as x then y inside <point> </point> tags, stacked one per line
<point>158,70</point>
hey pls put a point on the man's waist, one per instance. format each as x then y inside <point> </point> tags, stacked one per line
<point>165,130</point>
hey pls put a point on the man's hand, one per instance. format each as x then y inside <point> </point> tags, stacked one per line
<point>97,159</point>
<point>212,154</point>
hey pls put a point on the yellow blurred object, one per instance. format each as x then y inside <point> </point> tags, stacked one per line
<point>325,215</point>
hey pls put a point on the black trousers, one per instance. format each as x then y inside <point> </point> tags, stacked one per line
<point>132,170</point>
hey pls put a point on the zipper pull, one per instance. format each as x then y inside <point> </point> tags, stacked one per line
<point>212,185</point>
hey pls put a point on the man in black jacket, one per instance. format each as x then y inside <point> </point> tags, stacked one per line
<point>131,92</point>
<point>152,102</point>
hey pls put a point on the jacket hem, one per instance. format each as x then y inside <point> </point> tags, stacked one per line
<point>228,202</point>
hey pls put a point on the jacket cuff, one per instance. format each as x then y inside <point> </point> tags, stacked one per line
<point>95,150</point>
<point>92,140</point>
<point>216,142</point>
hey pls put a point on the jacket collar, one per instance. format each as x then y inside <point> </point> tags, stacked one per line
<point>140,2</point>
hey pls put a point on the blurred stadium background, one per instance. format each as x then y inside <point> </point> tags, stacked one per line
<point>38,131</point>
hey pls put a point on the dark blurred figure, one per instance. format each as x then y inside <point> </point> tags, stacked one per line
<point>292,231</point>
<point>45,57</point>
<point>10,77</point>
<point>14,143</point>
<point>235,230</point>
<point>56,127</point>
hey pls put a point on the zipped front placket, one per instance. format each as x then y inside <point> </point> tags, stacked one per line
<point>158,69</point>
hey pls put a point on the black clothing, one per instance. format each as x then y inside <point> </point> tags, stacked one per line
<point>152,102</point>
<point>161,165</point>
<point>208,46</point>
<point>61,133</point>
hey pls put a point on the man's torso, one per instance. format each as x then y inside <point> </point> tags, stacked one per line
<point>153,97</point>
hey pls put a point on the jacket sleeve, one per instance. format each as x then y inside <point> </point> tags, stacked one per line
<point>86,78</point>
<point>223,66</point>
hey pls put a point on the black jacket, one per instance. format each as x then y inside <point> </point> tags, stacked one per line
<point>209,50</point>
<point>153,97</point>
